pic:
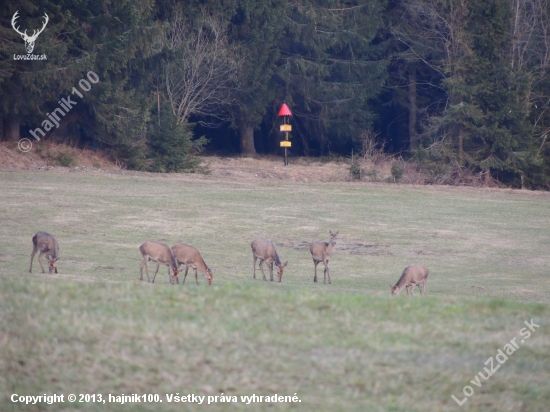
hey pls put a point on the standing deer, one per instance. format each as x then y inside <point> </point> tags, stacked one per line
<point>46,243</point>
<point>191,258</point>
<point>160,253</point>
<point>322,252</point>
<point>416,275</point>
<point>265,251</point>
<point>29,40</point>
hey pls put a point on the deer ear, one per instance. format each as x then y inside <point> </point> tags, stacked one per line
<point>286,263</point>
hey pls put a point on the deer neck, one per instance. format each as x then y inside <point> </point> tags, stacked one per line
<point>55,250</point>
<point>277,260</point>
<point>201,266</point>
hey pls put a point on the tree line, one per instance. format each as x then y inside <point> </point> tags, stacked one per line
<point>459,86</point>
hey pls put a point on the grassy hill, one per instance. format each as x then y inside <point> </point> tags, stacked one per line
<point>96,329</point>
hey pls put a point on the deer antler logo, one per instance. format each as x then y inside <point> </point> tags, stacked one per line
<point>29,40</point>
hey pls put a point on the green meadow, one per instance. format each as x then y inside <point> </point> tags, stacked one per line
<point>95,328</point>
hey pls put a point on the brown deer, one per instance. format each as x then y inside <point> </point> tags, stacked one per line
<point>322,252</point>
<point>265,251</point>
<point>416,275</point>
<point>162,254</point>
<point>45,243</point>
<point>191,258</point>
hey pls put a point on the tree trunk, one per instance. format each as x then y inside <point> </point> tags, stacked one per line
<point>12,127</point>
<point>246,131</point>
<point>413,136</point>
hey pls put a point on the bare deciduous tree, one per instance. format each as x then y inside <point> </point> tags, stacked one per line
<point>435,35</point>
<point>530,53</point>
<point>202,72</point>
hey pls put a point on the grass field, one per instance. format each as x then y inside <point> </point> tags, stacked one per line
<point>96,329</point>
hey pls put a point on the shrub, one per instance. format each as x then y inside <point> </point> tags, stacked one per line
<point>171,146</point>
<point>65,159</point>
<point>355,168</point>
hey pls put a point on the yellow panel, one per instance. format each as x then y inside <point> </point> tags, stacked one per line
<point>286,143</point>
<point>286,128</point>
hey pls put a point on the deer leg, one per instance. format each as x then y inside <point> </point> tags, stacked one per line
<point>185,274</point>
<point>147,268</point>
<point>176,276</point>
<point>170,277</point>
<point>156,271</point>
<point>40,261</point>
<point>271,271</point>
<point>255,258</point>
<point>34,250</point>
<point>424,287</point>
<point>196,276</point>
<point>145,264</point>
<point>262,268</point>
<point>328,275</point>
<point>315,263</point>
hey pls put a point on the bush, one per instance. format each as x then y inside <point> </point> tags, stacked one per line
<point>65,159</point>
<point>397,171</point>
<point>172,148</point>
<point>355,168</point>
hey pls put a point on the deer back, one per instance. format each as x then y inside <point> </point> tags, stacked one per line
<point>265,250</point>
<point>46,243</point>
<point>412,274</point>
<point>318,249</point>
<point>159,252</point>
<point>190,256</point>
<point>323,250</point>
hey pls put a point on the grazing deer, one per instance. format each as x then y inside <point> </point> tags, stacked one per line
<point>322,252</point>
<point>191,257</point>
<point>29,40</point>
<point>160,253</point>
<point>412,276</point>
<point>265,251</point>
<point>45,243</point>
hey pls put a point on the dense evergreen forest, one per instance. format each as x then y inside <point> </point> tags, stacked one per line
<point>454,85</point>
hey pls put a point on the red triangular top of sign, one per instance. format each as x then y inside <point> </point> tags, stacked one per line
<point>284,111</point>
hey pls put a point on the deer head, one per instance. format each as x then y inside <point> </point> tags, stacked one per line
<point>52,264</point>
<point>29,40</point>
<point>209,276</point>
<point>175,277</point>
<point>395,289</point>
<point>333,237</point>
<point>281,269</point>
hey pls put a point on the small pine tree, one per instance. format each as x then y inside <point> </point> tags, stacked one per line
<point>171,146</point>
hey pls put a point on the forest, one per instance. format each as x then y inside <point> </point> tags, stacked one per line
<point>457,86</point>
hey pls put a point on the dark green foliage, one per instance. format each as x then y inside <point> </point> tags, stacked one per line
<point>331,69</point>
<point>65,159</point>
<point>355,167</point>
<point>171,146</point>
<point>480,105</point>
<point>397,171</point>
<point>492,114</point>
